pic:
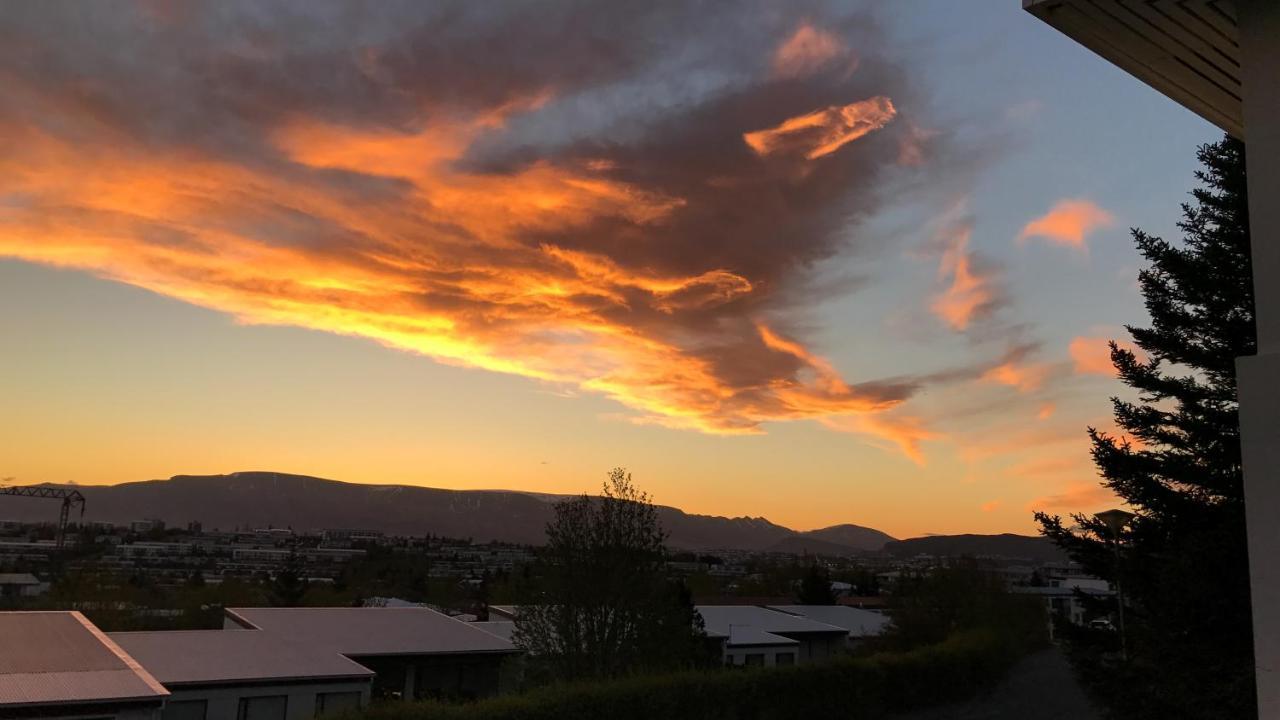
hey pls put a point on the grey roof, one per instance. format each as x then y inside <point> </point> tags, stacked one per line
<point>60,658</point>
<point>18,579</point>
<point>859,623</point>
<point>740,635</point>
<point>218,656</point>
<point>504,629</point>
<point>719,618</point>
<point>374,631</point>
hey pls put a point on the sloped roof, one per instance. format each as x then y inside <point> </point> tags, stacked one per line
<point>55,658</point>
<point>755,619</point>
<point>504,629</point>
<point>373,631</point>
<point>859,623</point>
<point>216,656</point>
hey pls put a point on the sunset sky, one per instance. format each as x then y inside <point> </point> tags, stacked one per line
<point>817,262</point>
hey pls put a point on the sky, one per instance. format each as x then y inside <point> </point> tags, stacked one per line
<point>817,262</point>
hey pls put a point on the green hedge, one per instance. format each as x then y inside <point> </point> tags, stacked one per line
<point>849,687</point>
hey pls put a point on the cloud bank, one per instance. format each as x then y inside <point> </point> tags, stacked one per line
<point>616,198</point>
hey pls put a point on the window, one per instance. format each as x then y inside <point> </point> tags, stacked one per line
<point>785,659</point>
<point>184,710</point>
<point>754,659</point>
<point>336,702</point>
<point>267,707</point>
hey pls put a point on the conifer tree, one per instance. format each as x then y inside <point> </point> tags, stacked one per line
<point>1182,562</point>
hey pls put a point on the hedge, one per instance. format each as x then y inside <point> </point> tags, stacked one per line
<point>855,688</point>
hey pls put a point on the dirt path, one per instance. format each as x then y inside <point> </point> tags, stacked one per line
<point>1041,686</point>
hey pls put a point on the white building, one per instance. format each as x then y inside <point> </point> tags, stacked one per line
<point>859,624</point>
<point>755,635</point>
<point>58,665</point>
<point>1221,60</point>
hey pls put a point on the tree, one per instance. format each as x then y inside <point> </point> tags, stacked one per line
<point>815,587</point>
<point>288,585</point>
<point>1183,560</point>
<point>607,606</point>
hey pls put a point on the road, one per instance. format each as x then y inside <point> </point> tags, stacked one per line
<point>1041,686</point>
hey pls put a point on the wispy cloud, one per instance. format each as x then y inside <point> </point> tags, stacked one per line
<point>1076,497</point>
<point>1068,222</point>
<point>408,177</point>
<point>972,290</point>
<point>808,50</point>
<point>1092,355</point>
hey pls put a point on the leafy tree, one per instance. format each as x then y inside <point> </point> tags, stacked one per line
<point>607,606</point>
<point>288,585</point>
<point>815,587</point>
<point>1182,561</point>
<point>929,607</point>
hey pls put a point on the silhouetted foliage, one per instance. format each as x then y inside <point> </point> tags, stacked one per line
<point>815,587</point>
<point>606,606</point>
<point>1183,561</point>
<point>929,607</point>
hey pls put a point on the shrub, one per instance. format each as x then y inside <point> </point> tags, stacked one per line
<point>866,687</point>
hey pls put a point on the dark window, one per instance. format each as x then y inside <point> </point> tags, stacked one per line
<point>785,659</point>
<point>336,702</point>
<point>755,659</point>
<point>267,707</point>
<point>184,710</point>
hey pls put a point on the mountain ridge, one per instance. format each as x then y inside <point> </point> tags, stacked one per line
<point>265,498</point>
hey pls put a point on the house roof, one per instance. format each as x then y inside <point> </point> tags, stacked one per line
<point>18,579</point>
<point>718,620</point>
<point>859,623</point>
<point>219,656</point>
<point>1189,51</point>
<point>504,629</point>
<point>373,631</point>
<point>64,659</point>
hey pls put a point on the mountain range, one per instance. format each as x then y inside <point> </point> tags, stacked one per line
<point>271,499</point>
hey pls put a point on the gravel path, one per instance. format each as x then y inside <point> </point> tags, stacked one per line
<point>1041,686</point>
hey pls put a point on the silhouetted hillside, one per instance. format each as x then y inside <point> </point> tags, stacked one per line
<point>852,536</point>
<point>261,499</point>
<point>1028,547</point>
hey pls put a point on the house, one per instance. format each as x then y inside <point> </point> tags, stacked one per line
<point>755,635</point>
<point>224,675</point>
<point>859,624</point>
<point>14,585</point>
<point>58,665</point>
<point>415,652</point>
<point>1221,60</point>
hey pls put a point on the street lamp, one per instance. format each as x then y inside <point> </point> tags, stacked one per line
<point>1115,520</point>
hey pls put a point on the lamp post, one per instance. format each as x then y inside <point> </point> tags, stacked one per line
<point>1115,520</point>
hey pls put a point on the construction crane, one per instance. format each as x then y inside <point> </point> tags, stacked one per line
<point>68,498</point>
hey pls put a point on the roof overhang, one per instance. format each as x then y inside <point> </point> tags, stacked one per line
<point>1189,50</point>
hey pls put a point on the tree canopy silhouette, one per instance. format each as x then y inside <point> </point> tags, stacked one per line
<point>1183,559</point>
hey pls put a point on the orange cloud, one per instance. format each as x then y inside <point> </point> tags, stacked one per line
<point>806,51</point>
<point>991,506</point>
<point>1068,223</point>
<point>822,132</point>
<point>1024,378</point>
<point>972,291</point>
<point>1046,411</point>
<point>1092,355</point>
<point>439,267</point>
<point>1077,497</point>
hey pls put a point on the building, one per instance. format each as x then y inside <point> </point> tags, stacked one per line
<point>58,665</point>
<point>416,652</point>
<point>858,624</point>
<point>756,635</point>
<point>14,585</point>
<point>223,675</point>
<point>1221,60</point>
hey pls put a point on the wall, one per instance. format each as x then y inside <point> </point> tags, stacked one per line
<point>1259,376</point>
<point>224,701</point>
